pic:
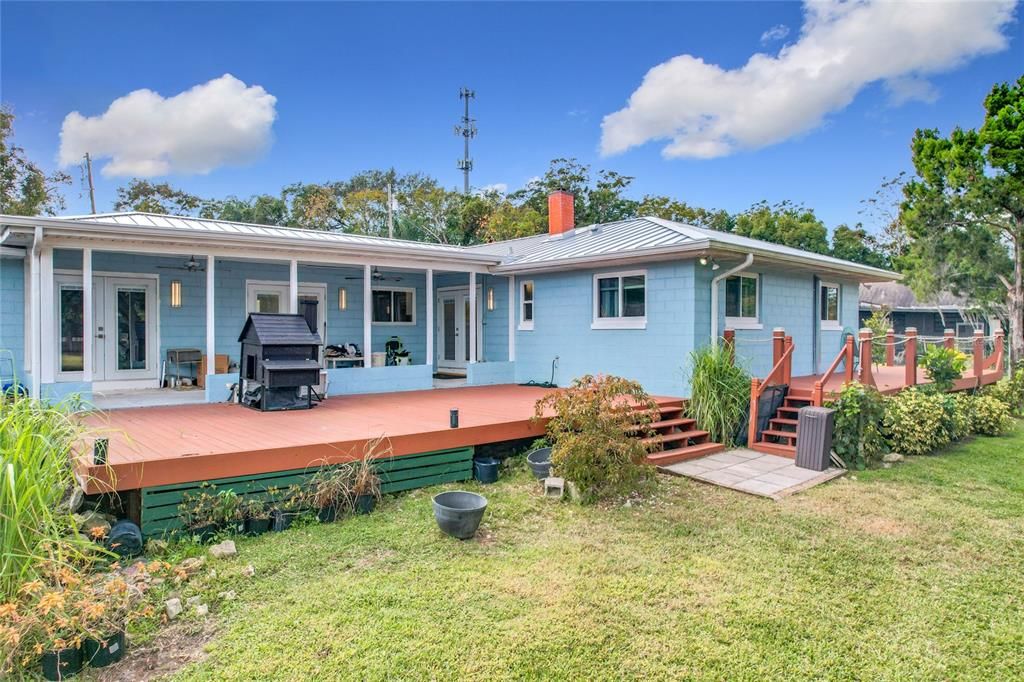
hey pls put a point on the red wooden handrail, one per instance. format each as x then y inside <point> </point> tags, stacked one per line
<point>757,387</point>
<point>817,396</point>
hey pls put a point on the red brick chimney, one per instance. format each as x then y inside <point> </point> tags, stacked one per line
<point>561,217</point>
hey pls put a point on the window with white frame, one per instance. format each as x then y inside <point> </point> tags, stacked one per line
<point>742,306</point>
<point>828,306</point>
<point>394,305</point>
<point>620,300</point>
<point>526,305</point>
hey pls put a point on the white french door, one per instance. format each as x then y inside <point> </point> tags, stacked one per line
<point>125,343</point>
<point>453,328</point>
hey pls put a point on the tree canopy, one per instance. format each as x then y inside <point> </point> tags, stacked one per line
<point>24,188</point>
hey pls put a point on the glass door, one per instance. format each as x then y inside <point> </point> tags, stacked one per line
<point>129,330</point>
<point>453,328</point>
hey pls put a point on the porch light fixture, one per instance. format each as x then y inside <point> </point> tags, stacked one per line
<point>342,299</point>
<point>175,293</point>
<point>490,298</point>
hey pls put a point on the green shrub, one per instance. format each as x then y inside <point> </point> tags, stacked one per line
<point>991,416</point>
<point>597,426</point>
<point>960,414</point>
<point>857,437</point>
<point>879,323</point>
<point>719,393</point>
<point>914,422</point>
<point>1010,390</point>
<point>943,366</point>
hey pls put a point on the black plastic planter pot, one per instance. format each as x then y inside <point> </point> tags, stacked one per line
<point>257,526</point>
<point>485,469</point>
<point>540,462</point>
<point>365,504</point>
<point>282,520</point>
<point>204,533</point>
<point>327,514</point>
<point>103,652</point>
<point>61,664</point>
<point>458,513</point>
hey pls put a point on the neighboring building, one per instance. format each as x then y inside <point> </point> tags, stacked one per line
<point>947,311</point>
<point>632,298</point>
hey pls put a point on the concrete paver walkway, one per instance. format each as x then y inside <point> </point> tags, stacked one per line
<point>753,472</point>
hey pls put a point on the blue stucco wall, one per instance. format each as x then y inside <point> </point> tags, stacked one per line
<point>489,373</point>
<point>563,312</point>
<point>354,380</point>
<point>12,310</point>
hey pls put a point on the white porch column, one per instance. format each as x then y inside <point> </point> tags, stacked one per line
<point>293,286</point>
<point>472,318</point>
<point>367,315</point>
<point>48,328</point>
<point>511,318</point>
<point>34,306</point>
<point>88,328</point>
<point>211,327</point>
<point>430,317</point>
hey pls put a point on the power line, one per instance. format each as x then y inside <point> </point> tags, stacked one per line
<point>467,129</point>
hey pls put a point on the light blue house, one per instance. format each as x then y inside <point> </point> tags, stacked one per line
<point>631,298</point>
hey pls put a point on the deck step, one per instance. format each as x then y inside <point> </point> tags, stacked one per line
<point>775,449</point>
<point>786,408</point>
<point>681,422</point>
<point>683,454</point>
<point>784,420</point>
<point>796,402</point>
<point>791,435</point>
<point>680,435</point>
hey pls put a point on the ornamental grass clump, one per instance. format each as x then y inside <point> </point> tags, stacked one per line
<point>719,393</point>
<point>597,428</point>
<point>36,476</point>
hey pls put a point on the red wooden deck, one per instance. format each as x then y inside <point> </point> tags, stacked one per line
<point>164,445</point>
<point>888,380</point>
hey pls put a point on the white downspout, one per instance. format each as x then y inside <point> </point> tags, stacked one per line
<point>714,293</point>
<point>35,300</point>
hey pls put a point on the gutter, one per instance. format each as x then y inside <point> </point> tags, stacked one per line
<point>714,293</point>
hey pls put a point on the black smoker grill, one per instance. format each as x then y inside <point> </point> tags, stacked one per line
<point>279,363</point>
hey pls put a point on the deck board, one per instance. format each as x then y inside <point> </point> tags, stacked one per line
<point>151,446</point>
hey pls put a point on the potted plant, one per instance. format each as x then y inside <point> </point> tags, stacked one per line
<point>49,618</point>
<point>106,619</point>
<point>331,491</point>
<point>197,512</point>
<point>365,480</point>
<point>227,511</point>
<point>288,504</point>
<point>255,513</point>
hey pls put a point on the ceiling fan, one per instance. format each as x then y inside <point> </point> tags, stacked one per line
<point>191,265</point>
<point>377,276</point>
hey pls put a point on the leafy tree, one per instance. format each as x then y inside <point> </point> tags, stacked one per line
<point>595,201</point>
<point>262,209</point>
<point>24,188</point>
<point>966,207</point>
<point>366,212</point>
<point>316,206</point>
<point>681,212</point>
<point>151,197</point>
<point>855,244</point>
<point>785,223</point>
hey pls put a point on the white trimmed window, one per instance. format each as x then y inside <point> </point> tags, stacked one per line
<point>526,305</point>
<point>620,300</point>
<point>742,302</point>
<point>829,306</point>
<point>394,305</point>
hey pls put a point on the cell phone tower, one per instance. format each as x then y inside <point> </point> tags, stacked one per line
<point>467,129</point>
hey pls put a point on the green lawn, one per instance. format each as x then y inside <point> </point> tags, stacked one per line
<point>916,572</point>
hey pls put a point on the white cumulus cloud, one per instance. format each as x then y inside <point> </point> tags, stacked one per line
<point>705,111</point>
<point>774,33</point>
<point>222,122</point>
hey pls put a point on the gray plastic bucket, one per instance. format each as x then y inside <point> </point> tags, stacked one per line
<point>458,513</point>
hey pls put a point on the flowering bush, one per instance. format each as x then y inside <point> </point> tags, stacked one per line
<point>915,422</point>
<point>991,416</point>
<point>943,366</point>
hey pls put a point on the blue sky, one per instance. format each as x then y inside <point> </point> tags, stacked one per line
<point>365,86</point>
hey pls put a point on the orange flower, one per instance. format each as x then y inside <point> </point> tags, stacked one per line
<point>31,587</point>
<point>98,533</point>
<point>94,609</point>
<point>49,601</point>
<point>8,610</point>
<point>9,636</point>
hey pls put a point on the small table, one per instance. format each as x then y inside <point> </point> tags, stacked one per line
<point>189,357</point>
<point>344,361</point>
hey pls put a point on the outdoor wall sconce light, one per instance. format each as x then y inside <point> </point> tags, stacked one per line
<point>175,293</point>
<point>342,299</point>
<point>490,298</point>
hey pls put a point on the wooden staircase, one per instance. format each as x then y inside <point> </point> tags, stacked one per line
<point>780,436</point>
<point>677,437</point>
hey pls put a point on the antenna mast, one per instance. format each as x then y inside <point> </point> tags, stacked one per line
<point>466,128</point>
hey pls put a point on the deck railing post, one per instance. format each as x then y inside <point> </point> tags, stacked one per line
<point>910,358</point>
<point>787,370</point>
<point>867,378</point>
<point>848,360</point>
<point>752,425</point>
<point>1000,349</point>
<point>890,347</point>
<point>729,337</point>
<point>778,344</point>
<point>817,394</point>
<point>979,355</point>
<point>949,339</point>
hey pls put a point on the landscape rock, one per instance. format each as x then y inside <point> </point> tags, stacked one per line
<point>192,564</point>
<point>173,608</point>
<point>224,549</point>
<point>892,457</point>
<point>227,596</point>
<point>194,601</point>
<point>88,521</point>
<point>249,571</point>
<point>202,610</point>
<point>573,490</point>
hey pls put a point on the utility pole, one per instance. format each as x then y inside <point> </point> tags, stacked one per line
<point>391,220</point>
<point>92,190</point>
<point>466,128</point>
